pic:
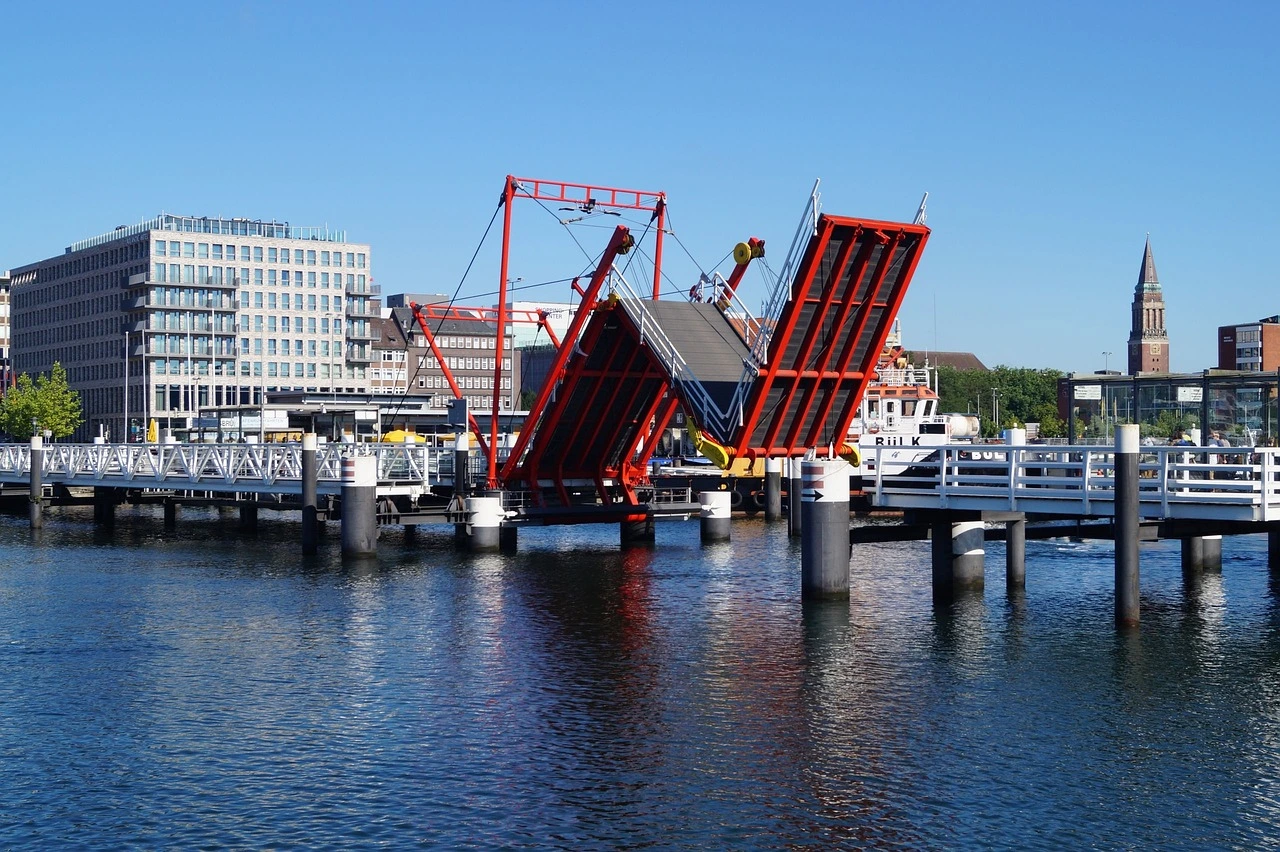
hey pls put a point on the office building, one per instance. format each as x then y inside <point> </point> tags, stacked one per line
<point>1253,346</point>
<point>197,317</point>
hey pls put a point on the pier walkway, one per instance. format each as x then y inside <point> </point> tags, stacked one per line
<point>1229,484</point>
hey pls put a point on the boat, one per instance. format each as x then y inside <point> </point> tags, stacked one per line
<point>902,410</point>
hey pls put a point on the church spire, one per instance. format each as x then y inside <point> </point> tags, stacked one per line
<point>1147,280</point>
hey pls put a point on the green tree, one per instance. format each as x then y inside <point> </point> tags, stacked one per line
<point>1023,394</point>
<point>48,402</point>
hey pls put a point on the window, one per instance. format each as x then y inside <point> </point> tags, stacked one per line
<point>257,322</point>
<point>257,254</point>
<point>284,323</point>
<point>188,249</point>
<point>311,325</point>
<point>244,346</point>
<point>360,260</point>
<point>271,368</point>
<point>297,257</point>
<point>271,300</point>
<point>284,279</point>
<point>297,348</point>
<point>271,255</point>
<point>271,278</point>
<point>311,348</point>
<point>311,280</point>
<point>271,346</point>
<point>271,323</point>
<point>202,250</point>
<point>173,249</point>
<point>158,248</point>
<point>217,251</point>
<point>257,346</point>
<point>351,259</point>
<point>324,325</point>
<point>311,302</point>
<point>244,254</point>
<point>257,277</point>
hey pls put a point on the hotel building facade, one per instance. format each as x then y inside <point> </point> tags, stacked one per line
<point>196,317</point>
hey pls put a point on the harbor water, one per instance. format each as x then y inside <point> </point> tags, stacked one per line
<point>202,687</point>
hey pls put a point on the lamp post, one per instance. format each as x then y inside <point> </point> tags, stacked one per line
<point>1106,359</point>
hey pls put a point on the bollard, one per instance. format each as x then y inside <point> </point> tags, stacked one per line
<point>36,482</point>
<point>824,538</point>
<point>484,522</point>
<point>793,497</point>
<point>359,505</point>
<point>772,489</point>
<point>1126,525</point>
<point>715,509</point>
<point>310,485</point>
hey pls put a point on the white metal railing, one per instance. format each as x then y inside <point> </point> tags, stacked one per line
<point>271,468</point>
<point>807,229</point>
<point>1241,483</point>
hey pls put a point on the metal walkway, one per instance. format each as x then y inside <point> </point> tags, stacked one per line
<point>230,468</point>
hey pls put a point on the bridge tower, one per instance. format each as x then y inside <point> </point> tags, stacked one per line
<point>1148,340</point>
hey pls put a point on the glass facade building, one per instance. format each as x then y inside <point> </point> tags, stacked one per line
<point>195,317</point>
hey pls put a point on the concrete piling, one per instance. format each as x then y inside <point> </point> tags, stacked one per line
<point>484,522</point>
<point>359,505</point>
<point>636,532</point>
<point>310,485</point>
<point>794,476</point>
<point>959,556</point>
<point>715,510</point>
<point>824,539</point>
<point>1015,555</point>
<point>171,514</point>
<point>35,482</point>
<point>248,515</point>
<point>1213,553</point>
<point>104,506</point>
<point>1192,554</point>
<point>772,490</point>
<point>1126,525</point>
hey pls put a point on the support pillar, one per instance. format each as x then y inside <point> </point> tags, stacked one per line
<point>793,497</point>
<point>171,514</point>
<point>248,515</point>
<point>461,455</point>
<point>714,514</point>
<point>824,539</point>
<point>1015,555</point>
<point>1126,525</point>
<point>359,506</point>
<point>1273,550</point>
<point>772,490</point>
<point>104,506</point>
<point>1213,553</point>
<point>1193,554</point>
<point>484,523</point>
<point>507,538</point>
<point>36,482</point>
<point>310,485</point>
<point>959,556</point>
<point>636,533</point>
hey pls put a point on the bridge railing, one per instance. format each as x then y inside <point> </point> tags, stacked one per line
<point>1210,482</point>
<point>209,466</point>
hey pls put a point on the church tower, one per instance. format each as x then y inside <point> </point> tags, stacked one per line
<point>1148,341</point>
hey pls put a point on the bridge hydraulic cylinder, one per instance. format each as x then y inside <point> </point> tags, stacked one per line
<point>484,523</point>
<point>36,482</point>
<point>772,490</point>
<point>824,539</point>
<point>715,509</point>
<point>1126,525</point>
<point>310,481</point>
<point>359,505</point>
<point>793,497</point>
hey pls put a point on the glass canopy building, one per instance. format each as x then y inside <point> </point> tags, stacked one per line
<point>195,316</point>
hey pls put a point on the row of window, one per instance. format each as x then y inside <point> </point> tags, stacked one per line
<point>187,273</point>
<point>438,381</point>
<point>185,397</point>
<point>427,362</point>
<point>219,251</point>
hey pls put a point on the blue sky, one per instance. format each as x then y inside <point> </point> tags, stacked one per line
<point>1051,139</point>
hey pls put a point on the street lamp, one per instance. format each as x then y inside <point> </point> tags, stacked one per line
<point>1106,358</point>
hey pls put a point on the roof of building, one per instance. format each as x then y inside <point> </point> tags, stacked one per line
<point>1147,280</point>
<point>954,360</point>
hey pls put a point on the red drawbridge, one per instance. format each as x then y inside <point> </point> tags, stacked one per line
<point>776,385</point>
